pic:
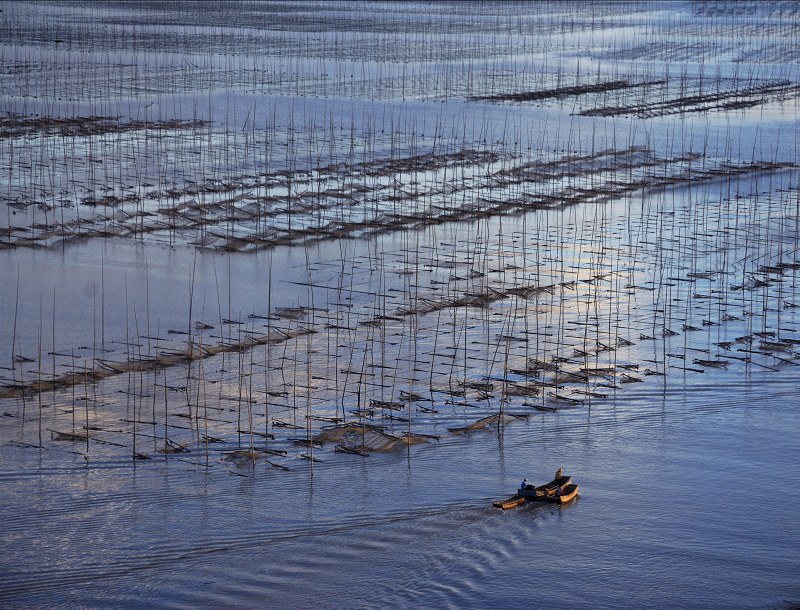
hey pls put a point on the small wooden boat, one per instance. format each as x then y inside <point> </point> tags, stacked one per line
<point>543,492</point>
<point>567,494</point>
<point>511,502</point>
<point>530,493</point>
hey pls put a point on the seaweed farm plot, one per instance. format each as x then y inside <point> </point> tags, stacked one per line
<point>656,98</point>
<point>700,97</point>
<point>345,201</point>
<point>422,343</point>
<point>423,223</point>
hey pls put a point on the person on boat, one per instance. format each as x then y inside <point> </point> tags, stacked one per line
<point>524,483</point>
<point>559,473</point>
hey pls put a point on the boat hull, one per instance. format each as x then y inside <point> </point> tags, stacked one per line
<point>544,492</point>
<point>568,494</point>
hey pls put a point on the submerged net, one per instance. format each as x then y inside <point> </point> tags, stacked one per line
<point>362,438</point>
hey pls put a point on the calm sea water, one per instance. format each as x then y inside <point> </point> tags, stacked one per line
<point>688,499</point>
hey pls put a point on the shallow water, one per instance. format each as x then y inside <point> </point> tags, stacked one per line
<point>687,499</point>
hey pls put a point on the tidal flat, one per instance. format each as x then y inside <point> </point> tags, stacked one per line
<point>290,292</point>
